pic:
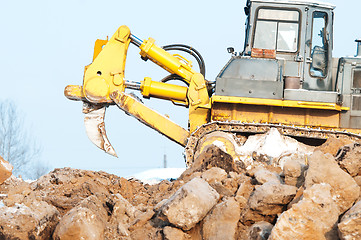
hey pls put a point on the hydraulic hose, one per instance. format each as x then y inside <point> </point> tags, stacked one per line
<point>193,52</point>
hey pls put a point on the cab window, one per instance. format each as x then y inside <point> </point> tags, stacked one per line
<point>277,29</point>
<point>319,48</point>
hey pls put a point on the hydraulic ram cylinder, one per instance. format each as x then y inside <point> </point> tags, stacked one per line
<point>162,90</point>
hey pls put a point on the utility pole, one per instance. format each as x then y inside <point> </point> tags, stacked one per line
<point>165,161</point>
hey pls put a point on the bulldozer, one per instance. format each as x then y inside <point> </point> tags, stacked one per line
<point>285,78</point>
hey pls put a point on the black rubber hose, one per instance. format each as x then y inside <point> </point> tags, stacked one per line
<point>174,77</point>
<point>199,61</point>
<point>191,51</point>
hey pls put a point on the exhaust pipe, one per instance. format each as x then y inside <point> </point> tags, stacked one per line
<point>358,41</point>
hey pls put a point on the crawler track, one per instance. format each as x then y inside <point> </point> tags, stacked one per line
<point>255,128</point>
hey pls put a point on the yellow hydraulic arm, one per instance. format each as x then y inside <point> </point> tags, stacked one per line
<point>104,84</point>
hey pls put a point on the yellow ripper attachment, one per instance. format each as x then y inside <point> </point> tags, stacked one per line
<point>104,84</point>
<point>103,76</point>
<point>95,113</point>
<point>95,127</point>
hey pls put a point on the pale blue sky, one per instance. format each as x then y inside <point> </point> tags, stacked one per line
<point>46,44</point>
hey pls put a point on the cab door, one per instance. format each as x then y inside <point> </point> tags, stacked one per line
<point>318,51</point>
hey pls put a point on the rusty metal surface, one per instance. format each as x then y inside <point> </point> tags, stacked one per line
<point>95,127</point>
<point>74,92</point>
<point>263,53</point>
<point>254,128</point>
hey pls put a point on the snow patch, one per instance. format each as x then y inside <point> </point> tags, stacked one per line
<point>19,209</point>
<point>154,176</point>
<point>220,144</point>
<point>272,144</point>
<point>29,181</point>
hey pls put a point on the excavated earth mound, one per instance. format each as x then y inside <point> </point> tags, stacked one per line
<point>311,196</point>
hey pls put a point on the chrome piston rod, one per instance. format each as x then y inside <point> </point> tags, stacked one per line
<point>132,85</point>
<point>135,40</point>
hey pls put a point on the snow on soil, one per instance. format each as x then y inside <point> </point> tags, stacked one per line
<point>154,176</point>
<point>16,209</point>
<point>220,144</point>
<point>271,144</point>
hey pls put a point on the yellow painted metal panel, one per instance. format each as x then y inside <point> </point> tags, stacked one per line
<point>319,118</point>
<point>197,117</point>
<point>106,73</point>
<point>98,47</point>
<point>279,103</point>
<point>275,114</point>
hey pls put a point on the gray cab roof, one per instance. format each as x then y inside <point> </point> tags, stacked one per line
<point>300,2</point>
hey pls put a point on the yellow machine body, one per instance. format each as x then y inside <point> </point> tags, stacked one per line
<point>104,84</point>
<point>298,113</point>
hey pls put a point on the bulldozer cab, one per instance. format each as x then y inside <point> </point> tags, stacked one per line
<point>288,49</point>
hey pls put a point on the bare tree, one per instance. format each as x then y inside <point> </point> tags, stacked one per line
<point>16,145</point>
<point>39,169</point>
